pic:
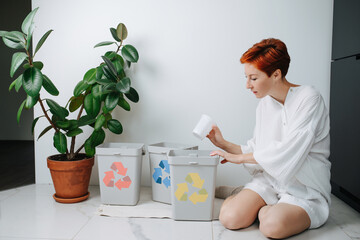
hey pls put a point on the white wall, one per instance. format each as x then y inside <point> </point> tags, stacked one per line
<point>189,63</point>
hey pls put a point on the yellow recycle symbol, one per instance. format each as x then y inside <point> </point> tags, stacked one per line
<point>182,189</point>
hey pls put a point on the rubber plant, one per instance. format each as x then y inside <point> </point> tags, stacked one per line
<point>102,89</point>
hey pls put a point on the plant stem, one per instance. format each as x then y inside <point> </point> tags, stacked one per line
<point>30,59</point>
<point>79,149</point>
<point>46,115</point>
<point>72,147</point>
<point>119,47</point>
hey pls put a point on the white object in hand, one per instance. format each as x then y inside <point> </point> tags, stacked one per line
<point>203,127</point>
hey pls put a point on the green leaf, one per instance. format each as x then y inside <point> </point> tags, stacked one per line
<point>99,122</point>
<point>132,95</point>
<point>3,33</point>
<point>108,74</point>
<point>49,86</point>
<point>130,53</point>
<point>112,100</point>
<point>103,44</point>
<point>110,65</point>
<point>107,117</point>
<point>73,124</point>
<point>80,88</point>
<point>20,110</point>
<point>104,81</point>
<point>17,83</point>
<point>96,90</point>
<point>63,124</point>
<point>120,59</point>
<point>119,68</point>
<point>60,142</point>
<point>124,85</point>
<point>28,21</point>
<point>99,72</point>
<point>31,101</point>
<point>42,40</point>
<point>97,137</point>
<point>56,109</point>
<point>121,31</point>
<point>38,65</point>
<point>92,105</point>
<point>17,59</point>
<point>105,110</point>
<point>12,44</point>
<point>28,41</point>
<point>34,123</point>
<point>110,87</point>
<point>76,102</point>
<point>90,76</point>
<point>124,104</point>
<point>114,34</point>
<point>115,126</point>
<point>86,120</point>
<point>32,81</point>
<point>89,148</point>
<point>16,36</point>
<point>74,132</point>
<point>44,131</point>
<point>110,55</point>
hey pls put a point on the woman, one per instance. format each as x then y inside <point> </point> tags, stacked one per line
<point>288,155</point>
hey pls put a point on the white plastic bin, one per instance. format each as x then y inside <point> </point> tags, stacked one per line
<point>119,167</point>
<point>193,176</point>
<point>160,169</point>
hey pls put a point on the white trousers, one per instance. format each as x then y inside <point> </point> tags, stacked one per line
<point>315,205</point>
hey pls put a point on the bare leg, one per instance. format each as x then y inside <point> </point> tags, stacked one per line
<point>240,210</point>
<point>283,220</point>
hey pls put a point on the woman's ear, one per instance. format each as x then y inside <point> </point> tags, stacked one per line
<point>277,74</point>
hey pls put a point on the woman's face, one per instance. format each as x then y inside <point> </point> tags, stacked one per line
<point>257,81</point>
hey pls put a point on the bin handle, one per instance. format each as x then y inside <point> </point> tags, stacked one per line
<point>193,163</point>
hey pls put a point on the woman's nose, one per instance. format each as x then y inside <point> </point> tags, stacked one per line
<point>248,85</point>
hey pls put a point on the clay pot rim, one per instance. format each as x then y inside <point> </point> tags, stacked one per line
<point>63,154</point>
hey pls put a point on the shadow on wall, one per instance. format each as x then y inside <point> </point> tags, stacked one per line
<point>16,140</point>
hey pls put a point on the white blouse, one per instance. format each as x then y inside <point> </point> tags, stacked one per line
<point>291,143</point>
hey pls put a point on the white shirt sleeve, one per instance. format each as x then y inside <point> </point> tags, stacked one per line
<point>283,159</point>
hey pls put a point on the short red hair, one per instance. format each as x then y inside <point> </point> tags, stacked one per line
<point>268,56</point>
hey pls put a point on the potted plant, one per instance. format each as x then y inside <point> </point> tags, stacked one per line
<point>102,89</point>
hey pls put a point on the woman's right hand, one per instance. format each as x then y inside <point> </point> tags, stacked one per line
<point>216,137</point>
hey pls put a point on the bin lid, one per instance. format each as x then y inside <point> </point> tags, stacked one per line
<point>164,147</point>
<point>192,157</point>
<point>114,148</point>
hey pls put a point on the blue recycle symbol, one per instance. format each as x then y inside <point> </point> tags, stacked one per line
<point>157,176</point>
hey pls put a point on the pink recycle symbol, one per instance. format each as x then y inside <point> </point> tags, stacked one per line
<point>119,169</point>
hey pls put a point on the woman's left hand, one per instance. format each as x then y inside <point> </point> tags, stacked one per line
<point>228,157</point>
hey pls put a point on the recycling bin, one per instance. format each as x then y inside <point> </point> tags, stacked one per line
<point>160,169</point>
<point>119,166</point>
<point>193,176</point>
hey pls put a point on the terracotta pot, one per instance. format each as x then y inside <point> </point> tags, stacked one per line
<point>71,178</point>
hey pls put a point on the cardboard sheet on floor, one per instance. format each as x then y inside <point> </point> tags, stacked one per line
<point>146,208</point>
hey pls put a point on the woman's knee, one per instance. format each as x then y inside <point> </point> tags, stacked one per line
<point>231,219</point>
<point>272,226</point>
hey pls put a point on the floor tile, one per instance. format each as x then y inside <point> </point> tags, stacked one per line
<point>329,231</point>
<point>144,228</point>
<point>33,213</point>
<point>345,217</point>
<point>7,193</point>
<point>40,217</point>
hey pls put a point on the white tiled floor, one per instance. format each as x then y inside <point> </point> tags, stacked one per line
<point>31,213</point>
